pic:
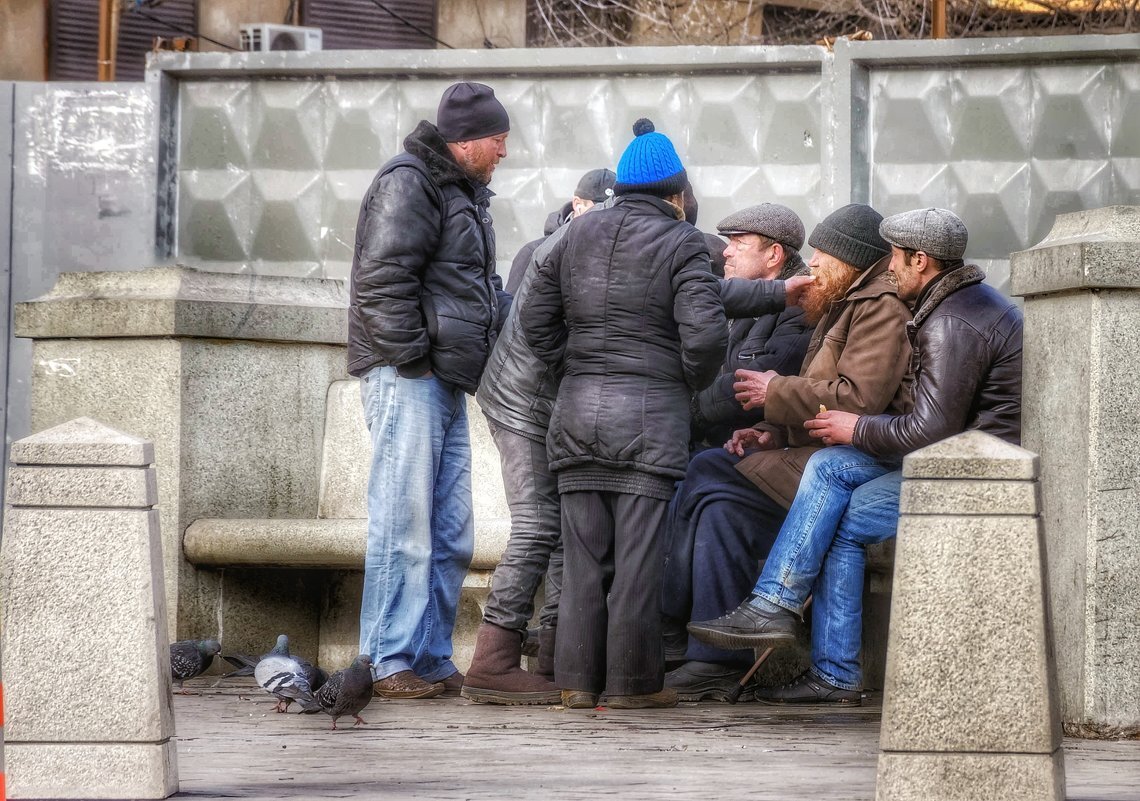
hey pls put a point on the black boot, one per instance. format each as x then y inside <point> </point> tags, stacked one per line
<point>545,666</point>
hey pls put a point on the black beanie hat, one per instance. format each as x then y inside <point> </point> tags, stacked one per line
<point>470,111</point>
<point>851,234</point>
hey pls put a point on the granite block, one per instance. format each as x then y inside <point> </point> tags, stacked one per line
<point>91,770</point>
<point>82,486</point>
<point>970,777</point>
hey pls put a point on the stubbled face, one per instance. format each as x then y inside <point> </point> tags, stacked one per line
<point>750,256</point>
<point>908,278</point>
<point>479,157</point>
<point>832,280</point>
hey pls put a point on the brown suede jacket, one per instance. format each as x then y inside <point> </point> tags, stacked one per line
<point>857,361</point>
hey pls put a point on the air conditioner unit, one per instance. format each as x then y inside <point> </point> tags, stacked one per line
<point>261,36</point>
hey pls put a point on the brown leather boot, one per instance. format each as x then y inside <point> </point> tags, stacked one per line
<point>495,676</point>
<point>545,666</point>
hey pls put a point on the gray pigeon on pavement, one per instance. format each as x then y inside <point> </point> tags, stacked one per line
<point>348,691</point>
<point>284,677</point>
<point>190,658</point>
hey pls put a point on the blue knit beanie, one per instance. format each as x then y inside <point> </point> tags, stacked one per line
<point>650,164</point>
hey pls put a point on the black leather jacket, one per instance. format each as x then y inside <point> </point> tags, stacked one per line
<point>966,341</point>
<point>424,293</point>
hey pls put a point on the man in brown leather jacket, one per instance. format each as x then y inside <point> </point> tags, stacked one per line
<point>732,501</point>
<point>966,340</point>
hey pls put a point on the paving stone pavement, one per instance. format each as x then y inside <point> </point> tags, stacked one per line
<point>232,745</point>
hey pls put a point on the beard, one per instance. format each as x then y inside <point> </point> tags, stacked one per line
<point>831,283</point>
<point>477,170</point>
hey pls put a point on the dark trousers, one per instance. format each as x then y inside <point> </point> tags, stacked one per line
<point>609,626</point>
<point>720,526</point>
<point>534,548</point>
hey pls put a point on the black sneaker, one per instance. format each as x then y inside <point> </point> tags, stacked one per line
<point>747,627</point>
<point>707,681</point>
<point>808,688</point>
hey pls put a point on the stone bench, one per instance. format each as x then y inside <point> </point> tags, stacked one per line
<point>335,541</point>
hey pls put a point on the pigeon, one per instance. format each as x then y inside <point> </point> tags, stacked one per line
<point>284,677</point>
<point>190,658</point>
<point>348,691</point>
<point>245,665</point>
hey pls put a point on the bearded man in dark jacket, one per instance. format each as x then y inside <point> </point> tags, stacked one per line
<point>966,340</point>
<point>626,303</point>
<point>425,309</point>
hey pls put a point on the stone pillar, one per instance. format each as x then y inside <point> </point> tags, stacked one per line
<point>227,376</point>
<point>1081,414</point>
<point>86,651</point>
<point>969,701</point>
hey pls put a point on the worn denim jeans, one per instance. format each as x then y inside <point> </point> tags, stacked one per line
<point>534,548</point>
<point>837,609</point>
<point>421,531</point>
<point>830,477</point>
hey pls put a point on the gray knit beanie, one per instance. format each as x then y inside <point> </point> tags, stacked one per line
<point>851,234</point>
<point>939,233</point>
<point>770,220</point>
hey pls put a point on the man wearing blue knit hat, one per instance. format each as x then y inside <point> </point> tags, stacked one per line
<point>626,307</point>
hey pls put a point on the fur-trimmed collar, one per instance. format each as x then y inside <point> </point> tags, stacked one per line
<point>428,146</point>
<point>959,277</point>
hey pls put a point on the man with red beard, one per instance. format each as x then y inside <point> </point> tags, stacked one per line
<point>735,499</point>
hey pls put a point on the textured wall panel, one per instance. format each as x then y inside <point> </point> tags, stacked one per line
<point>272,172</point>
<point>1007,147</point>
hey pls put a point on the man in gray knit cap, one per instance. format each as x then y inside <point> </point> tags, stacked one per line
<point>967,343</point>
<point>733,500</point>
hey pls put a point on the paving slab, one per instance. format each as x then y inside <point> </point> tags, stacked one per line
<point>232,745</point>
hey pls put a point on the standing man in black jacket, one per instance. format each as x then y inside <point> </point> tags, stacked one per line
<point>626,304</point>
<point>966,341</point>
<point>425,309</point>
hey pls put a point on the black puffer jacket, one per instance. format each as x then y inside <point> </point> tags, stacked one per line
<point>966,340</point>
<point>424,290</point>
<point>627,297</point>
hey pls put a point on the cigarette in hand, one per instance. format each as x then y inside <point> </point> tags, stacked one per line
<point>822,408</point>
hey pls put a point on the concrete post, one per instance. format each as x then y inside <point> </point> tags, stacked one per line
<point>1081,286</point>
<point>969,701</point>
<point>86,651</point>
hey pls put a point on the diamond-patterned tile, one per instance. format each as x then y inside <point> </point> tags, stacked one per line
<point>1069,120</point>
<point>908,116</point>
<point>358,121</point>
<point>577,125</point>
<point>789,130</point>
<point>1125,113</point>
<point>344,191</point>
<point>286,208</point>
<point>287,125</point>
<point>896,188</point>
<point>215,125</point>
<point>214,215</point>
<point>726,120</point>
<point>990,198</point>
<point>1059,187</point>
<point>988,114</point>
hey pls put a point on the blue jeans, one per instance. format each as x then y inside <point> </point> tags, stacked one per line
<point>830,477</point>
<point>837,609</point>
<point>421,530</point>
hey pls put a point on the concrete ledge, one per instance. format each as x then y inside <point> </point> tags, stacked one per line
<point>926,497</point>
<point>326,544</point>
<point>972,456</point>
<point>83,441</point>
<point>82,486</point>
<point>970,777</point>
<point>91,770</point>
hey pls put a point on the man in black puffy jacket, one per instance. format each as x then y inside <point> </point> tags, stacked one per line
<point>626,305</point>
<point>425,309</point>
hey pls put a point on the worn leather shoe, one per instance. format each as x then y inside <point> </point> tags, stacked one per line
<point>747,627</point>
<point>706,681</point>
<point>579,699</point>
<point>661,699</point>
<point>404,685</point>
<point>808,688</point>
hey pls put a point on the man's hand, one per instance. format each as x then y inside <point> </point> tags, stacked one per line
<point>834,428</point>
<point>751,387</point>
<point>794,288</point>
<point>747,439</point>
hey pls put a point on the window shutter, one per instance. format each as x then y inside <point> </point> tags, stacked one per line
<point>74,37</point>
<point>364,25</point>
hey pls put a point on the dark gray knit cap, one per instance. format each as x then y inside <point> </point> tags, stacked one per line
<point>469,111</point>
<point>768,219</point>
<point>938,233</point>
<point>851,234</point>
